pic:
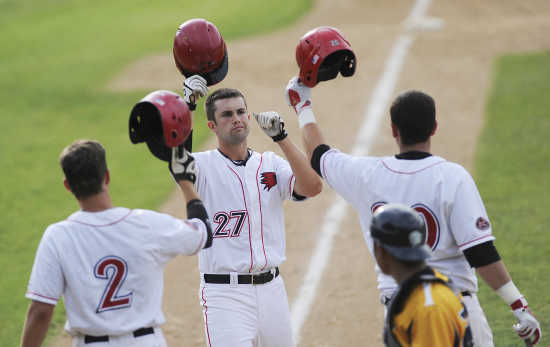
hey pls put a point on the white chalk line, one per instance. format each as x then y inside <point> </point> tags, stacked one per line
<point>374,113</point>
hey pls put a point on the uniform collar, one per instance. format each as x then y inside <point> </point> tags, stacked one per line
<point>239,162</point>
<point>413,155</point>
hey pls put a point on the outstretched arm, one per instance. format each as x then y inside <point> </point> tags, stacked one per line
<point>298,96</point>
<point>307,182</point>
<point>37,323</point>
<point>182,168</point>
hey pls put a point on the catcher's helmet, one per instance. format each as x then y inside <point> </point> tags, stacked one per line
<point>163,120</point>
<point>199,49</point>
<point>322,53</point>
<point>401,231</point>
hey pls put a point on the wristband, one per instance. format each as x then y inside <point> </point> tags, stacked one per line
<point>306,117</point>
<point>509,293</point>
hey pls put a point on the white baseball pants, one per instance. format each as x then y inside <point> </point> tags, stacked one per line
<point>481,331</point>
<point>246,315</point>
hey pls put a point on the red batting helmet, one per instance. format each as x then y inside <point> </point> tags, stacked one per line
<point>199,49</point>
<point>322,53</point>
<point>163,120</point>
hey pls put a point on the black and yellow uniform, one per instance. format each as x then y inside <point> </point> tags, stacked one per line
<point>427,312</point>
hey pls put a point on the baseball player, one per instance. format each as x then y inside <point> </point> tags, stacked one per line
<point>107,262</point>
<point>425,311</point>
<point>242,293</point>
<point>459,232</point>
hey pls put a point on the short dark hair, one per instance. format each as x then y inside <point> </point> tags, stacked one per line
<point>222,93</point>
<point>413,113</point>
<point>85,166</point>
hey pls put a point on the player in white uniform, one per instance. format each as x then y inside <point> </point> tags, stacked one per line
<point>459,232</point>
<point>242,294</point>
<point>107,262</point>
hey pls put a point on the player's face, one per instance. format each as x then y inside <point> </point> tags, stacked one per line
<point>232,118</point>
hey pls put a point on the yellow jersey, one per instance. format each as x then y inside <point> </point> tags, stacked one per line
<point>427,312</point>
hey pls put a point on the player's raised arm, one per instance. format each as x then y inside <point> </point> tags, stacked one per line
<point>182,168</point>
<point>298,96</point>
<point>307,184</point>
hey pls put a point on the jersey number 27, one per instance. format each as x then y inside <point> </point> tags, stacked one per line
<point>112,269</point>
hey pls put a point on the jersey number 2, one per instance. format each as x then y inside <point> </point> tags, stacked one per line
<point>114,270</point>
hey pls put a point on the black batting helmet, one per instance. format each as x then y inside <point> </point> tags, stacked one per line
<point>401,231</point>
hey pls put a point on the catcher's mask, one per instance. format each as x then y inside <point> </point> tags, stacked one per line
<point>322,53</point>
<point>199,49</point>
<point>161,119</point>
<point>401,231</point>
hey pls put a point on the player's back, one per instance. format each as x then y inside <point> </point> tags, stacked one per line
<point>431,314</point>
<point>442,191</point>
<point>111,264</point>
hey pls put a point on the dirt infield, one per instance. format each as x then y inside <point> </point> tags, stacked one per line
<point>452,63</point>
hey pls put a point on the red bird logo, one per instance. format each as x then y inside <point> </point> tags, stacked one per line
<point>269,180</point>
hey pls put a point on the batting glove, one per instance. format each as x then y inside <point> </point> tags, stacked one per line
<point>527,328</point>
<point>182,165</point>
<point>272,124</point>
<point>193,87</point>
<point>298,95</point>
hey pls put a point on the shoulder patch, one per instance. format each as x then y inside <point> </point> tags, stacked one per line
<point>482,223</point>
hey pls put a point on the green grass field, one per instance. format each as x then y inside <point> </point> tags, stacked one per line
<point>56,58</point>
<point>512,173</point>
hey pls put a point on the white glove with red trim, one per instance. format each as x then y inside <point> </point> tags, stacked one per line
<point>527,328</point>
<point>298,95</point>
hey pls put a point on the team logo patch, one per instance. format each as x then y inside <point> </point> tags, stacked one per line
<point>482,223</point>
<point>269,180</point>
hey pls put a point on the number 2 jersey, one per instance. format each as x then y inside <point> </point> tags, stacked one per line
<point>109,265</point>
<point>443,192</point>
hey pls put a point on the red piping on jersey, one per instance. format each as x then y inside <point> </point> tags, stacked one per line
<point>43,296</point>
<point>474,240</point>
<point>101,225</point>
<point>247,219</point>
<point>412,172</point>
<point>260,203</point>
<point>205,316</point>
<point>290,185</point>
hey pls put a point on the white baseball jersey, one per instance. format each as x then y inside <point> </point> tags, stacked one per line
<point>443,192</point>
<point>108,265</point>
<point>245,206</point>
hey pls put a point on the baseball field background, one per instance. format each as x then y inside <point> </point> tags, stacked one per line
<point>71,69</point>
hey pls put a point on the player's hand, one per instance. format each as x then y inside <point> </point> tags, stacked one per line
<point>193,88</point>
<point>527,328</point>
<point>272,124</point>
<point>182,165</point>
<point>298,95</point>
